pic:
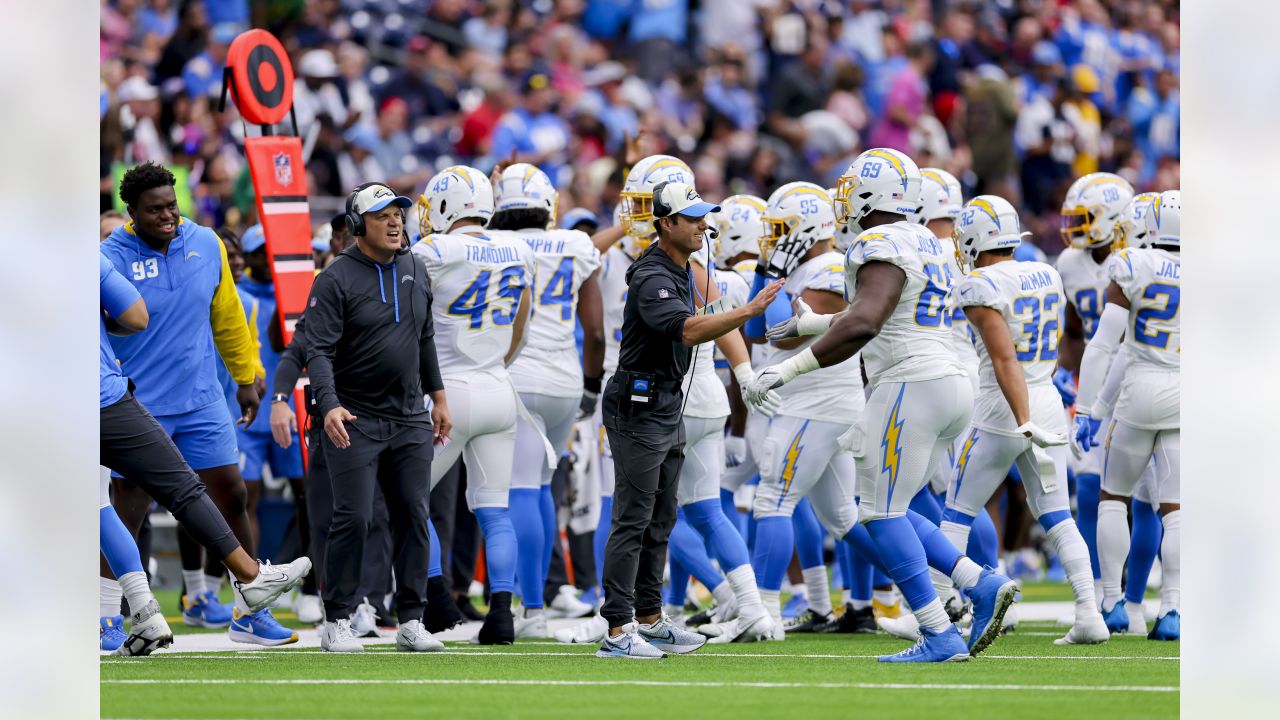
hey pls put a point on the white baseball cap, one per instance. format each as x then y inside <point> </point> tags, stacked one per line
<point>376,197</point>
<point>677,198</point>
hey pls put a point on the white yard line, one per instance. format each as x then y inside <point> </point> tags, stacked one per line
<point>259,655</point>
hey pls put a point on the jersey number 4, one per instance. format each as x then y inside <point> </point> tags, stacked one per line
<point>473,301</point>
<point>559,289</point>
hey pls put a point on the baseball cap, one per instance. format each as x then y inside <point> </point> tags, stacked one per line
<point>318,64</point>
<point>578,215</point>
<point>136,88</point>
<point>376,197</point>
<point>253,239</point>
<point>677,198</point>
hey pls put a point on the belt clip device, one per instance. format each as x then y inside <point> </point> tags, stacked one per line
<point>641,388</point>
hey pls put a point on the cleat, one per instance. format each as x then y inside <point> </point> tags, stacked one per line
<point>413,637</point>
<point>593,630</point>
<point>1117,618</point>
<point>593,597</point>
<point>469,611</point>
<point>991,598</point>
<point>567,605</point>
<point>956,606</point>
<point>499,628</point>
<point>272,582</point>
<point>1089,631</point>
<point>1168,627</point>
<point>204,610</point>
<point>702,617</point>
<point>441,613</point>
<point>808,622</point>
<point>259,628</point>
<point>852,621</point>
<point>1066,620</point>
<point>668,637</point>
<point>933,647</point>
<point>1010,621</point>
<point>795,607</point>
<point>111,632</point>
<point>336,637</point>
<point>532,628</point>
<point>364,622</point>
<point>309,610</point>
<point>1137,618</point>
<point>905,626</point>
<point>629,645</point>
<point>148,631</point>
<point>880,610</point>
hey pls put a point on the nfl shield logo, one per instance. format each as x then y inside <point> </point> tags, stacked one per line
<point>663,294</point>
<point>284,168</point>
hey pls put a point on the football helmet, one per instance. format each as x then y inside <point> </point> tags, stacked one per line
<point>637,194</point>
<point>798,215</point>
<point>1093,211</point>
<point>523,186</point>
<point>454,193</point>
<point>1135,222</point>
<point>1164,222</point>
<point>878,179</point>
<point>987,222</point>
<point>740,223</point>
<point>939,195</point>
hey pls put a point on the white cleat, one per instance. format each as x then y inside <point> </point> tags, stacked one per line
<point>567,605</point>
<point>905,626</point>
<point>364,623</point>
<point>309,609</point>
<point>272,582</point>
<point>591,631</point>
<point>725,611</point>
<point>1137,618</point>
<point>336,636</point>
<point>758,629</point>
<point>1067,620</point>
<point>148,631</point>
<point>1089,631</point>
<point>532,628</point>
<point>413,637</point>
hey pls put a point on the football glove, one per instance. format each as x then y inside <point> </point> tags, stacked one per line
<point>1039,436</point>
<point>787,253</point>
<point>1086,433</point>
<point>804,322</point>
<point>1066,385</point>
<point>768,403</point>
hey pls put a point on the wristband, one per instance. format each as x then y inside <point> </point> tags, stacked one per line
<point>591,384</point>
<point>743,373</point>
<point>280,397</point>
<point>798,365</point>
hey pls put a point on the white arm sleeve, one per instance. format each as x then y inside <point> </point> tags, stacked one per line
<point>1111,388</point>
<point>1098,354</point>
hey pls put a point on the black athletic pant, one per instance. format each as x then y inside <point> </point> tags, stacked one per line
<point>647,471</point>
<point>134,445</point>
<point>398,458</point>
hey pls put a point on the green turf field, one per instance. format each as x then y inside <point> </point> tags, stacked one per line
<point>1022,676</point>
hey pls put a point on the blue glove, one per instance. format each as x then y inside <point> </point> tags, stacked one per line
<point>1066,386</point>
<point>1087,432</point>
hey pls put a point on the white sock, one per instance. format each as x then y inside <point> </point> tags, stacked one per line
<point>742,580</point>
<point>1074,556</point>
<point>194,580</point>
<point>958,534</point>
<point>1113,548</point>
<point>109,594</point>
<point>535,612</point>
<point>213,582</point>
<point>933,616</point>
<point>1097,590</point>
<point>966,573</point>
<point>846,596</point>
<point>136,590</point>
<point>723,593</point>
<point>1171,563</point>
<point>859,604</point>
<point>769,598</point>
<point>884,597</point>
<point>815,584</point>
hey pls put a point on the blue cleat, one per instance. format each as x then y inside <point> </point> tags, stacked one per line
<point>1168,627</point>
<point>795,606</point>
<point>933,647</point>
<point>1117,618</point>
<point>260,628</point>
<point>111,632</point>
<point>991,597</point>
<point>205,611</point>
<point>592,596</point>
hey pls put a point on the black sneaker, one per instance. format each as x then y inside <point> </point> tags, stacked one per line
<point>499,625</point>
<point>441,612</point>
<point>469,611</point>
<point>809,622</point>
<point>852,621</point>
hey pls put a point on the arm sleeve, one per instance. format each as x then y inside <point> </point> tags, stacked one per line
<point>231,333</point>
<point>428,364</point>
<point>115,293</point>
<point>1111,389</point>
<point>324,330</point>
<point>661,307</point>
<point>1098,354</point>
<point>778,311</point>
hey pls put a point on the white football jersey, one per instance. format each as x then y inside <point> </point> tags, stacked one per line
<point>549,363</point>
<point>831,394</point>
<point>1029,297</point>
<point>761,354</point>
<point>476,283</point>
<point>1085,283</point>
<point>613,291</point>
<point>916,343</point>
<point>1151,279</point>
<point>961,336</point>
<point>735,291</point>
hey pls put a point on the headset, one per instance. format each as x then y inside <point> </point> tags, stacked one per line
<point>355,221</point>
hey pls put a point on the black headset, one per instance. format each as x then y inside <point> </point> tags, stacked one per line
<point>355,221</point>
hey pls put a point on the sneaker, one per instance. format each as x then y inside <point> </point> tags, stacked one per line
<point>260,628</point>
<point>808,621</point>
<point>364,622</point>
<point>852,621</point>
<point>904,626</point>
<point>671,638</point>
<point>532,628</point>
<point>499,626</point>
<point>441,612</point>
<point>336,636</point>
<point>933,647</point>
<point>272,581</point>
<point>991,598</point>
<point>1117,619</point>
<point>1090,631</point>
<point>413,637</point>
<point>1168,627</point>
<point>880,610</point>
<point>629,645</point>
<point>308,609</point>
<point>204,610</point>
<point>147,631</point>
<point>795,607</point>
<point>111,632</point>
<point>676,613</point>
<point>469,611</point>
<point>593,630</point>
<point>567,605</point>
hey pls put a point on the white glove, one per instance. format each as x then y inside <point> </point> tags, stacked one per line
<point>735,450</point>
<point>804,322</point>
<point>774,376</point>
<point>768,404</point>
<point>1039,436</point>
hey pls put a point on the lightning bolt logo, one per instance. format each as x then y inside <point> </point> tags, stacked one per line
<point>894,163</point>
<point>891,443</point>
<point>987,208</point>
<point>791,458</point>
<point>962,463</point>
<point>460,172</point>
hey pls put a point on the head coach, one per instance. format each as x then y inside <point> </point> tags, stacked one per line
<point>372,356</point>
<point>642,409</point>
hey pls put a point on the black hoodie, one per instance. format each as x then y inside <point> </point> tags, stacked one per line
<point>370,346</point>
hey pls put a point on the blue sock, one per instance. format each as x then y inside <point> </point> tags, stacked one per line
<point>601,536</point>
<point>1143,546</point>
<point>808,534</point>
<point>939,552</point>
<point>861,572</point>
<point>688,548</point>
<point>117,545</point>
<point>726,545</point>
<point>925,504</point>
<point>775,541</point>
<point>550,532</point>
<point>1088,493</point>
<point>844,566</point>
<point>526,519</point>
<point>434,568</point>
<point>904,559</point>
<point>736,518</point>
<point>678,582</point>
<point>982,540</point>
<point>500,548</point>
